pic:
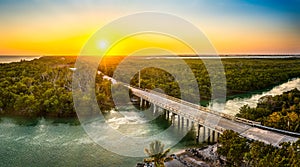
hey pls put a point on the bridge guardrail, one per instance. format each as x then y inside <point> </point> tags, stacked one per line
<point>223,115</point>
<point>227,116</point>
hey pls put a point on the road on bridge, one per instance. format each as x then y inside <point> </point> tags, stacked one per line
<point>211,119</point>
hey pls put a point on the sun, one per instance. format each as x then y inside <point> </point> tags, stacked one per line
<point>103,44</point>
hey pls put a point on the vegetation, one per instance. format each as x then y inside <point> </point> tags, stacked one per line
<point>239,151</point>
<point>233,147</point>
<point>43,87</point>
<point>38,87</point>
<point>281,111</point>
<point>157,153</point>
<point>242,75</point>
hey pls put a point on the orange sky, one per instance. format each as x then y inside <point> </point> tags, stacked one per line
<point>63,29</point>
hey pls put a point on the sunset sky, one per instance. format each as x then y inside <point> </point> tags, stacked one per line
<point>62,27</point>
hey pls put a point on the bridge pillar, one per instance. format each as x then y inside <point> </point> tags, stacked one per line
<point>198,133</point>
<point>209,136</point>
<point>154,109</point>
<point>178,120</point>
<point>172,119</point>
<point>182,122</point>
<point>204,133</point>
<point>168,114</point>
<point>141,102</point>
<point>187,123</point>
<point>213,136</point>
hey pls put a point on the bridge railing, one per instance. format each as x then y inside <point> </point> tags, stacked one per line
<point>198,107</point>
<point>227,116</point>
<point>217,128</point>
<point>195,106</point>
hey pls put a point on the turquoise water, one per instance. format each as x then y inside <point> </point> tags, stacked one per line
<point>48,144</point>
<point>232,106</point>
<point>61,142</point>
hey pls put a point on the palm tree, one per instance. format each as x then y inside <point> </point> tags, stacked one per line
<point>157,153</point>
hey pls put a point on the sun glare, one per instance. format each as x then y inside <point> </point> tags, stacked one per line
<point>103,44</point>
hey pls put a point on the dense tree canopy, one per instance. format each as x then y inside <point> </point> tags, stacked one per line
<point>239,151</point>
<point>38,87</point>
<point>281,111</point>
<point>242,75</point>
<point>43,87</point>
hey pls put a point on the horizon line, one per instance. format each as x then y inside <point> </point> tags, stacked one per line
<point>184,55</point>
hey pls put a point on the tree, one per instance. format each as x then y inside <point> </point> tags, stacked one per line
<point>259,152</point>
<point>238,151</point>
<point>233,147</point>
<point>280,111</point>
<point>157,153</point>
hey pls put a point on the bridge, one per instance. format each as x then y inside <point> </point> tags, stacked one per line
<point>211,122</point>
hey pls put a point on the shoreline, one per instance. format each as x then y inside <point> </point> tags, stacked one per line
<point>205,156</point>
<point>17,59</point>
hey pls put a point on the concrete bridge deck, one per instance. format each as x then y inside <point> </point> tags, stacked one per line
<point>211,119</point>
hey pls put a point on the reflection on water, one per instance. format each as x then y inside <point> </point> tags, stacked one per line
<point>232,106</point>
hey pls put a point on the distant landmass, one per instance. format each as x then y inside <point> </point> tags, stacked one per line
<point>10,59</point>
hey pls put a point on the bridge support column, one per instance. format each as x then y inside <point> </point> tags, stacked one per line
<point>168,114</point>
<point>204,137</point>
<point>204,134</point>
<point>182,122</point>
<point>173,119</point>
<point>141,102</point>
<point>178,121</point>
<point>187,123</point>
<point>154,109</point>
<point>213,136</point>
<point>198,133</point>
<point>208,135</point>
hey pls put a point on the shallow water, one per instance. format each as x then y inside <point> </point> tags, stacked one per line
<point>232,106</point>
<point>53,144</point>
<point>44,142</point>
